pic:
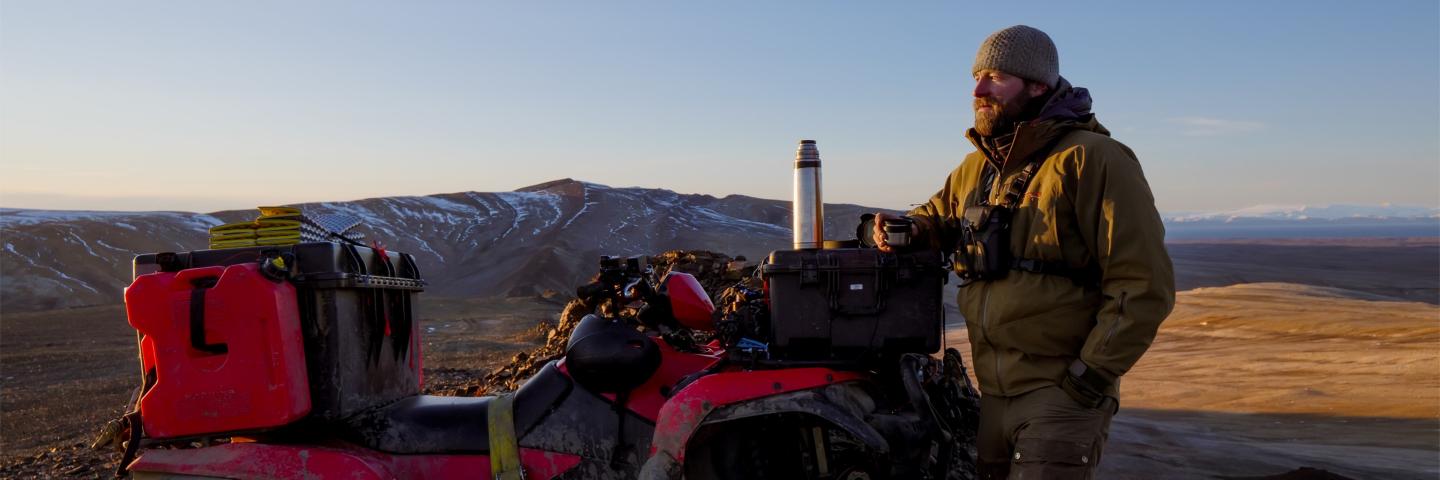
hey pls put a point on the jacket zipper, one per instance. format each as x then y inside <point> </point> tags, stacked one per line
<point>999,178</point>
<point>1119,316</point>
<point>995,183</point>
<point>985,333</point>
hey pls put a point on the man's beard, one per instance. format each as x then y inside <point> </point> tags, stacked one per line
<point>1003,116</point>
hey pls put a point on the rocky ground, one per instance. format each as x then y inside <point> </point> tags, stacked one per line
<point>711,269</point>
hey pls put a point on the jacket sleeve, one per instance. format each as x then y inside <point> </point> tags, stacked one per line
<point>1122,229</point>
<point>935,219</point>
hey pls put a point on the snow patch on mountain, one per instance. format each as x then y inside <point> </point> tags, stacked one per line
<point>112,247</point>
<point>355,209</point>
<point>577,214</point>
<point>11,216</point>
<point>204,222</point>
<point>14,217</point>
<point>523,203</point>
<point>448,205</point>
<point>71,280</point>
<point>83,243</point>
<point>425,246</point>
<point>434,209</point>
<point>739,223</point>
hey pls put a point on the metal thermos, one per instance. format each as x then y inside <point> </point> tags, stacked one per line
<point>806,207</point>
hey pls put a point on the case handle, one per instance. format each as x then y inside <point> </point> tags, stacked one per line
<point>353,262</point>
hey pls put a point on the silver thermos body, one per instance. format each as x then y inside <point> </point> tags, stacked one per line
<point>806,208</point>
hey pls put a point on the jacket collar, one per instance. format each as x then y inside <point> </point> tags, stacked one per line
<point>1068,108</point>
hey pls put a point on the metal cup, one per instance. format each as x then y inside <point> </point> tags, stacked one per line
<point>897,232</point>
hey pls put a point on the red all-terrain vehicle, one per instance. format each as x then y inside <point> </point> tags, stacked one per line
<point>306,358</point>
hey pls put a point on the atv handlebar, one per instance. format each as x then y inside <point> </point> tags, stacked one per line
<point>624,280</point>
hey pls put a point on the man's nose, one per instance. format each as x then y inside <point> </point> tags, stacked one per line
<point>982,88</point>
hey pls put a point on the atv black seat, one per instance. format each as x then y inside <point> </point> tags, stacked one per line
<point>434,424</point>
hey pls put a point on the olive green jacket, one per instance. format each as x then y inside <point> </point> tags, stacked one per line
<point>1089,206</point>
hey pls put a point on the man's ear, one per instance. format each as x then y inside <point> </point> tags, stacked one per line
<point>1036,89</point>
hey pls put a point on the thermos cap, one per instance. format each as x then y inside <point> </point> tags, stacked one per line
<point>807,152</point>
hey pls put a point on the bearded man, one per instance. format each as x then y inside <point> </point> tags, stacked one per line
<point>1060,251</point>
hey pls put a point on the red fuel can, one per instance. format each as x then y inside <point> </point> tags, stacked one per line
<point>227,349</point>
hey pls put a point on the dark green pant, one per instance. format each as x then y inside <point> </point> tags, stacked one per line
<point>1042,434</point>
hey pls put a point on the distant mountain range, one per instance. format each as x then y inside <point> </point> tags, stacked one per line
<point>1306,213</point>
<point>543,237</point>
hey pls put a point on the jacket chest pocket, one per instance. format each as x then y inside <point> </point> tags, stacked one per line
<point>1044,215</point>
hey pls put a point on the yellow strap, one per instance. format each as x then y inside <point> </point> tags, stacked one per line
<point>248,242</point>
<point>504,447</point>
<point>232,235</point>
<point>278,211</point>
<point>276,222</point>
<point>233,226</point>
<point>273,241</point>
<point>272,231</point>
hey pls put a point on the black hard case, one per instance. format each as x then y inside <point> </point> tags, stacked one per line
<point>853,303</point>
<point>349,297</point>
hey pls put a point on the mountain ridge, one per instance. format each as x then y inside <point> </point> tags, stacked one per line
<point>541,237</point>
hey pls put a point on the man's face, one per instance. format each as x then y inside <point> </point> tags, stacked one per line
<point>1000,99</point>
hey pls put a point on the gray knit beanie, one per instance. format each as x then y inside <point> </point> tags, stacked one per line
<point>1021,51</point>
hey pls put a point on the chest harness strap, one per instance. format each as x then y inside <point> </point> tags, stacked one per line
<point>1014,192</point>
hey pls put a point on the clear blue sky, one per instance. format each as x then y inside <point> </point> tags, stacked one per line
<point>208,105</point>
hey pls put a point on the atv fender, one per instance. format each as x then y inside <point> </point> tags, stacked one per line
<point>754,393</point>
<point>842,405</point>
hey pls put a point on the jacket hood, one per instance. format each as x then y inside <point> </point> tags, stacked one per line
<point>1066,103</point>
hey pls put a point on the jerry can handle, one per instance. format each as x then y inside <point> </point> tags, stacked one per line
<point>200,280</point>
<point>187,277</point>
